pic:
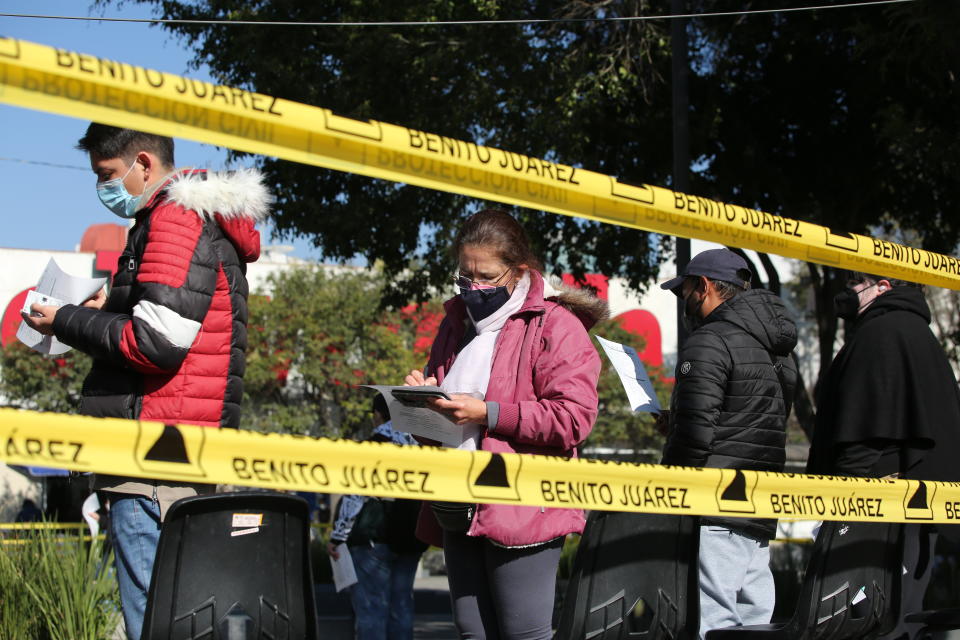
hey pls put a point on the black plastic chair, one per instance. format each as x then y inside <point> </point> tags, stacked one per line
<point>634,576</point>
<point>233,566</point>
<point>851,561</point>
<point>935,621</point>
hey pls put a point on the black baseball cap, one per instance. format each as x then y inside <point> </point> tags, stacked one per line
<point>716,264</point>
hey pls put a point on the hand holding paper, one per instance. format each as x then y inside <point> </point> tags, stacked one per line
<point>55,289</point>
<point>97,300</point>
<point>344,573</point>
<point>411,409</point>
<point>626,362</point>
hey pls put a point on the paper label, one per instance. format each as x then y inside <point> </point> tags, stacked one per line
<point>247,519</point>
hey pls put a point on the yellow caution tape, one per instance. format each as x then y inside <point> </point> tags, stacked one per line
<point>22,526</point>
<point>113,92</point>
<point>101,537</point>
<point>286,462</point>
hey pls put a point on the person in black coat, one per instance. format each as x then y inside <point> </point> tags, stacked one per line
<point>889,405</point>
<point>735,381</point>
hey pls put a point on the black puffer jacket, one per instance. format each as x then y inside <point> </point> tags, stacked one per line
<point>734,388</point>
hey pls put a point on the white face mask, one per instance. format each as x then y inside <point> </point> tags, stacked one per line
<point>115,197</point>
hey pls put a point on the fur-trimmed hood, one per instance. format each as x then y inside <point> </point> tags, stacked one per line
<point>235,200</point>
<point>229,194</point>
<point>580,302</point>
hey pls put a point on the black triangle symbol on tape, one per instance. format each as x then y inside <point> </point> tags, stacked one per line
<point>919,498</point>
<point>494,474</point>
<point>737,489</point>
<point>169,447</point>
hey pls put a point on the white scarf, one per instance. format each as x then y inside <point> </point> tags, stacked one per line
<point>470,372</point>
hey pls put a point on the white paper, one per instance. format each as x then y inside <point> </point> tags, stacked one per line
<point>626,362</point>
<point>420,420</point>
<point>56,288</point>
<point>89,509</point>
<point>344,573</point>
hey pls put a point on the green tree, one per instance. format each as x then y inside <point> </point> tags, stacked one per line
<point>573,92</point>
<point>312,340</point>
<point>845,118</point>
<point>29,380</point>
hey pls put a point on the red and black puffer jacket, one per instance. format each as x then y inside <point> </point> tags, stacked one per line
<point>169,342</point>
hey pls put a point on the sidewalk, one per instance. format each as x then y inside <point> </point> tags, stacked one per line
<point>432,610</point>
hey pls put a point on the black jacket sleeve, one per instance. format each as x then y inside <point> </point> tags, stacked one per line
<point>701,380</point>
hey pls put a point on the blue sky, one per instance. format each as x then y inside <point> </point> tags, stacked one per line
<point>45,207</point>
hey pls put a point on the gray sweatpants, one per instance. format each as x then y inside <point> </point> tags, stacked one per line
<point>498,593</point>
<point>736,584</point>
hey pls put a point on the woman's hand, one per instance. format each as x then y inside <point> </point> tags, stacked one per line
<point>463,408</point>
<point>416,379</point>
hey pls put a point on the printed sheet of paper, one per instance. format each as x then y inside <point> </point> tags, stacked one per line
<point>344,573</point>
<point>626,362</point>
<point>56,288</point>
<point>414,416</point>
<point>89,510</point>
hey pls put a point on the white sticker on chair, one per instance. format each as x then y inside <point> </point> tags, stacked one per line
<point>247,519</point>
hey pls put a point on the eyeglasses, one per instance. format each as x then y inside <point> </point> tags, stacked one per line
<point>464,282</point>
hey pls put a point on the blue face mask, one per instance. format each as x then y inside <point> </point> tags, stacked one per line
<point>114,196</point>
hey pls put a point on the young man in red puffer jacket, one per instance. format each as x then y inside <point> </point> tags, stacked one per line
<point>168,342</point>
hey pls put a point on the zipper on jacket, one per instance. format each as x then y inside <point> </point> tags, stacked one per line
<point>156,500</point>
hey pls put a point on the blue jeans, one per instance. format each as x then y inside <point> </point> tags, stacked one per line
<point>382,598</point>
<point>135,531</point>
<point>736,584</point>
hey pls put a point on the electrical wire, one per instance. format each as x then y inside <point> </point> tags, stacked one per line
<point>437,23</point>
<point>45,164</point>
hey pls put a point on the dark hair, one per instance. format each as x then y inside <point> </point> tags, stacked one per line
<point>380,406</point>
<point>860,276</point>
<point>498,230</point>
<point>727,290</point>
<point>112,142</point>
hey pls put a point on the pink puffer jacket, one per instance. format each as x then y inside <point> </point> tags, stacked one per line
<point>544,377</point>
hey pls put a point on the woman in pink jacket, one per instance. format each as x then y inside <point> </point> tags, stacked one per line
<point>513,340</point>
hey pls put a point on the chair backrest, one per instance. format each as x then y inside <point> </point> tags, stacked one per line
<point>851,588</point>
<point>634,576</point>
<point>233,566</point>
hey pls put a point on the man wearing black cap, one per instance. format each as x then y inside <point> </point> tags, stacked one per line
<point>733,393</point>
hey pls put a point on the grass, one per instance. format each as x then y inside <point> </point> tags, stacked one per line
<point>56,586</point>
